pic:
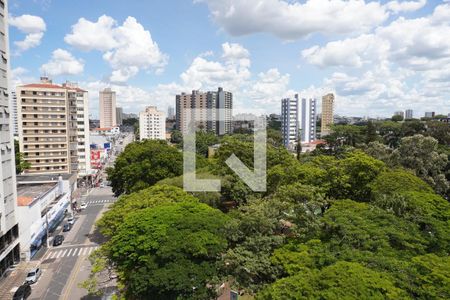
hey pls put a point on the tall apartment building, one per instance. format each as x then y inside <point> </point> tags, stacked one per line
<point>430,114</point>
<point>409,114</point>
<point>213,110</point>
<point>400,113</point>
<point>290,121</point>
<point>9,230</point>
<point>308,120</point>
<point>107,108</point>
<point>152,124</point>
<point>119,116</point>
<point>171,112</point>
<point>48,127</point>
<point>83,149</point>
<point>327,114</point>
<point>13,108</point>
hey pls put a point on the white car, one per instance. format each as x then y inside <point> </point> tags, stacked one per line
<point>71,220</point>
<point>83,205</point>
<point>33,275</point>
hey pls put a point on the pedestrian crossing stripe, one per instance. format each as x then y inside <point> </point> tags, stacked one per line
<point>71,252</point>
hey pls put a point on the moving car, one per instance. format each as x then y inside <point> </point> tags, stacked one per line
<point>23,292</point>
<point>33,275</point>
<point>67,227</point>
<point>83,205</point>
<point>71,220</point>
<point>58,240</point>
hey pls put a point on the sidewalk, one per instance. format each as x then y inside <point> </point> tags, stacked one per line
<point>9,284</point>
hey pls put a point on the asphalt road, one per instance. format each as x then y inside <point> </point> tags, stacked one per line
<point>65,266</point>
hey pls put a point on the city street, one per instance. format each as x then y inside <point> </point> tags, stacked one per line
<point>65,266</point>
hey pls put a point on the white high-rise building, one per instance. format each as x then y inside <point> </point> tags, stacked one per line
<point>9,229</point>
<point>290,121</point>
<point>308,120</point>
<point>152,124</point>
<point>83,149</point>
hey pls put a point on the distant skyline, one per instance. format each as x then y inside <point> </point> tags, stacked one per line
<point>377,57</point>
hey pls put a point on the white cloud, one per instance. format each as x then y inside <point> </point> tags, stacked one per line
<point>292,20</point>
<point>405,6</point>
<point>230,73</point>
<point>62,62</point>
<point>352,52</point>
<point>34,28</point>
<point>87,35</point>
<point>269,88</point>
<point>128,48</point>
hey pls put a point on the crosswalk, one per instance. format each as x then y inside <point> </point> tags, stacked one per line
<point>69,252</point>
<point>99,202</point>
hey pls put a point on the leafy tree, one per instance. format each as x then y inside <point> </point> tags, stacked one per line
<point>440,131</point>
<point>371,133</point>
<point>412,127</point>
<point>420,154</point>
<point>274,137</point>
<point>398,181</point>
<point>382,152</point>
<point>147,198</point>
<point>397,118</point>
<point>21,163</point>
<point>169,251</point>
<point>343,280</point>
<point>142,164</point>
<point>176,137</point>
<point>391,133</point>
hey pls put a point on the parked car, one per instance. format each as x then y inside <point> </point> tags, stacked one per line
<point>71,220</point>
<point>83,205</point>
<point>23,292</point>
<point>102,185</point>
<point>67,227</point>
<point>33,275</point>
<point>58,240</point>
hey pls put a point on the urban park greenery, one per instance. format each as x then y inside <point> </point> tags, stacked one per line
<point>365,217</point>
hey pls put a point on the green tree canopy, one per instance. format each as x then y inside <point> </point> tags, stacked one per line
<point>169,251</point>
<point>142,164</point>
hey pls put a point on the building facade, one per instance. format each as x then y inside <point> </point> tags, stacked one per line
<point>119,116</point>
<point>14,117</point>
<point>171,112</point>
<point>409,114</point>
<point>152,124</point>
<point>429,114</point>
<point>9,229</point>
<point>42,201</point>
<point>308,120</point>
<point>213,110</point>
<point>290,121</point>
<point>327,114</point>
<point>107,108</point>
<point>84,158</point>
<point>48,134</point>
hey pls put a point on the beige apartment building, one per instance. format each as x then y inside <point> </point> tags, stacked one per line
<point>107,108</point>
<point>213,110</point>
<point>327,113</point>
<point>47,117</point>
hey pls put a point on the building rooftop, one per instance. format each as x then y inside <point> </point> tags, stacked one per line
<point>52,86</point>
<point>42,178</point>
<point>27,193</point>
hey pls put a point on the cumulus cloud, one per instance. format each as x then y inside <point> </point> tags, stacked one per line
<point>405,6</point>
<point>230,72</point>
<point>128,48</point>
<point>34,28</point>
<point>62,62</point>
<point>293,20</point>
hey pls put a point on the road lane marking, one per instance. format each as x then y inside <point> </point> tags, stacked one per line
<point>70,251</point>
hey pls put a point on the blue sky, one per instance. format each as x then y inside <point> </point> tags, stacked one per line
<point>377,57</point>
